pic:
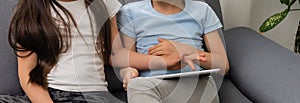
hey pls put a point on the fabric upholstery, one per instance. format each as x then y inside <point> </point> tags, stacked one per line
<point>9,83</point>
<point>228,93</point>
<point>215,5</point>
<point>264,71</point>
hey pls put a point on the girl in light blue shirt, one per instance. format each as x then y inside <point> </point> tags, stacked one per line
<point>172,27</point>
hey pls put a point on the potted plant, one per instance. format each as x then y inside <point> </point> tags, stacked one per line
<point>275,19</point>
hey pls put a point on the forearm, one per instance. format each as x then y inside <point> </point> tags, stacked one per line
<point>217,57</point>
<point>36,93</point>
<point>214,60</point>
<point>146,62</point>
<point>126,58</point>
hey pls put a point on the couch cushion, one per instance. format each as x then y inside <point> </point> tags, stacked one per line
<point>228,93</point>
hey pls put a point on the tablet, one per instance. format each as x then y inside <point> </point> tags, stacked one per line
<point>186,74</point>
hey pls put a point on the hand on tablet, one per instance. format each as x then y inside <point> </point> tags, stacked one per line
<point>190,59</point>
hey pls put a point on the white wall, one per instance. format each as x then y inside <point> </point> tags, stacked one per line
<point>236,13</point>
<point>252,13</point>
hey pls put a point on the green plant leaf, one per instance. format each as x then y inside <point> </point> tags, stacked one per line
<point>273,21</point>
<point>286,2</point>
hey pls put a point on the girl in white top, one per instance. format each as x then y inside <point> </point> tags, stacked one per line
<point>62,46</point>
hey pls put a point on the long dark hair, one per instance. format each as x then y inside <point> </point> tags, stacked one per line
<point>33,28</point>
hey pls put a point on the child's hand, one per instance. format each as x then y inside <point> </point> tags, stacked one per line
<point>130,73</point>
<point>171,51</point>
<point>190,59</point>
<point>167,47</point>
<point>168,52</point>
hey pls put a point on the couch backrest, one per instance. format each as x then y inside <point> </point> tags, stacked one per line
<point>9,83</point>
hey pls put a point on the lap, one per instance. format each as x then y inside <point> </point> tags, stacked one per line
<point>82,97</point>
<point>148,83</point>
<point>187,89</point>
<point>60,96</point>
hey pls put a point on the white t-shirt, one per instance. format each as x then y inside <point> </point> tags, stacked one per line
<point>80,68</point>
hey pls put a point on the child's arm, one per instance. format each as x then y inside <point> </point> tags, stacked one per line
<point>215,57</point>
<point>36,93</point>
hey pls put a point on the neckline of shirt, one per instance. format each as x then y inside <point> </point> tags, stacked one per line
<point>186,4</point>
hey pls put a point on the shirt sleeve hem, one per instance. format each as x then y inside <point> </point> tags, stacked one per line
<point>212,28</point>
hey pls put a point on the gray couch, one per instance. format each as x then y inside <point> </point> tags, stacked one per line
<point>260,70</point>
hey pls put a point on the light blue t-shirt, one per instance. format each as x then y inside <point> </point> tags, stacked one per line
<point>141,21</point>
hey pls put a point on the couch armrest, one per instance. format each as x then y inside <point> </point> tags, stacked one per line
<point>261,69</point>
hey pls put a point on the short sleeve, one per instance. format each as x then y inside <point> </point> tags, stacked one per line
<point>112,6</point>
<point>211,21</point>
<point>125,22</point>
